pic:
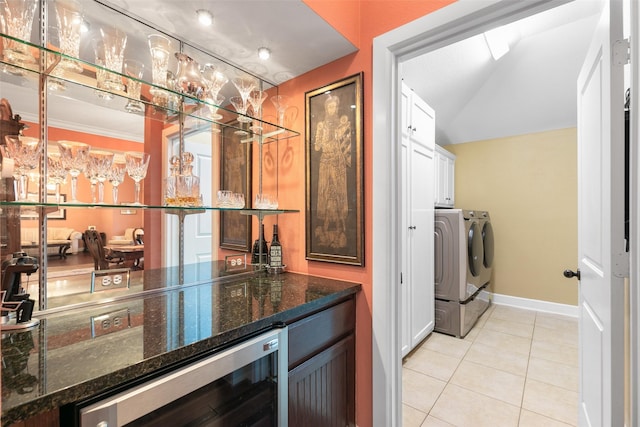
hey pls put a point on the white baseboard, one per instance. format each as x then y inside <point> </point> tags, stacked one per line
<point>537,305</point>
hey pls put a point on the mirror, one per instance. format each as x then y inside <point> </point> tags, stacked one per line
<point>177,246</point>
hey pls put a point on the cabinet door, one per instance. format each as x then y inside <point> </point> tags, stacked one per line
<point>405,111</point>
<point>421,243</point>
<point>449,198</point>
<point>423,123</point>
<point>322,389</point>
<point>405,297</point>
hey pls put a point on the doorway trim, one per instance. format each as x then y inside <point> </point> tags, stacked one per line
<point>445,26</point>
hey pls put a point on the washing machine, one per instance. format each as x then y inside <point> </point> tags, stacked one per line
<point>461,296</point>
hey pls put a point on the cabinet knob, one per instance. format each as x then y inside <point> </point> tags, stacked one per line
<point>414,129</point>
<point>412,227</point>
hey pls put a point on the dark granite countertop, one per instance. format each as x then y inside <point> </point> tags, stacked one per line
<point>79,353</point>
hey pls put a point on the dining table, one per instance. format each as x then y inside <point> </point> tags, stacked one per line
<point>131,254</point>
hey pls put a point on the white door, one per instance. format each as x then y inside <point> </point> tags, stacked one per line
<point>601,257</point>
<point>198,228</point>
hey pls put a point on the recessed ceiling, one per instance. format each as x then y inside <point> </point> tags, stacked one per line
<point>298,38</point>
<point>530,89</point>
<point>299,41</point>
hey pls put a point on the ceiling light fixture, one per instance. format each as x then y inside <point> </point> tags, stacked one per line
<point>264,53</point>
<point>204,17</point>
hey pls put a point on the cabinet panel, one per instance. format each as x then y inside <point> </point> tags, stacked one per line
<point>45,419</point>
<point>314,333</point>
<point>322,390</point>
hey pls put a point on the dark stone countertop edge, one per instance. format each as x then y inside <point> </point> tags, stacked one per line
<point>104,383</point>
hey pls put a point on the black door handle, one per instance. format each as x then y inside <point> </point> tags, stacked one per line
<point>569,274</point>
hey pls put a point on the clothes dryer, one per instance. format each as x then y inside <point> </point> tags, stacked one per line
<point>459,258</point>
<point>484,221</point>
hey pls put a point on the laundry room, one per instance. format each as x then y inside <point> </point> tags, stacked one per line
<point>509,118</point>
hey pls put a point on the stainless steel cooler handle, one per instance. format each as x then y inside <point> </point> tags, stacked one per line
<point>132,404</point>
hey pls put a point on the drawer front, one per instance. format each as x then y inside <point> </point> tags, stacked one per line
<point>313,334</point>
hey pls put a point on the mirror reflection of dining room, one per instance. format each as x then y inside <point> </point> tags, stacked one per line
<point>69,258</point>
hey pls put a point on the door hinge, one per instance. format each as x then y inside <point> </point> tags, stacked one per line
<point>621,52</point>
<point>621,265</point>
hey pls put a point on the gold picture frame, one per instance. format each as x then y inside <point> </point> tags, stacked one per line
<point>334,174</point>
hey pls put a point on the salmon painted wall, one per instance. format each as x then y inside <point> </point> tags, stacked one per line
<point>109,221</point>
<point>360,22</point>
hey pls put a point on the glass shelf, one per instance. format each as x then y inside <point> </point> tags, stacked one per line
<point>28,205</point>
<point>168,105</point>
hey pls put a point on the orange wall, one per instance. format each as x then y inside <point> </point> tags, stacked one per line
<point>360,22</point>
<point>109,221</point>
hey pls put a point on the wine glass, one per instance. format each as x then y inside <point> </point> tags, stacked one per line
<point>214,80</point>
<point>159,46</point>
<point>116,177</point>
<point>16,20</point>
<point>245,85</point>
<point>74,156</point>
<point>135,70</point>
<point>101,73</point>
<point>57,174</point>
<point>256,98</point>
<point>212,107</point>
<point>115,40</point>
<point>100,166</point>
<point>25,152</point>
<point>137,164</point>
<point>90,173</point>
<point>69,18</point>
<point>241,108</point>
<point>281,102</point>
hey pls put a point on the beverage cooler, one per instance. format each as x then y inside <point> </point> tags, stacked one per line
<point>242,385</point>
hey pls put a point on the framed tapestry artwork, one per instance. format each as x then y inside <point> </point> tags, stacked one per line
<point>334,176</point>
<point>235,176</point>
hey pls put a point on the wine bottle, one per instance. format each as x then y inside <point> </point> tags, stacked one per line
<point>275,252</point>
<point>260,251</point>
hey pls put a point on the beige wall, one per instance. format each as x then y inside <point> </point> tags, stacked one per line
<point>528,184</point>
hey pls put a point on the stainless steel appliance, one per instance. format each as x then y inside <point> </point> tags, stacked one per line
<point>461,269</point>
<point>245,384</point>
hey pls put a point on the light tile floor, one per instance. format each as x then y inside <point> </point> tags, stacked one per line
<point>515,368</point>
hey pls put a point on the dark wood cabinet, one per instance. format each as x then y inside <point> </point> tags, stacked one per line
<point>322,368</point>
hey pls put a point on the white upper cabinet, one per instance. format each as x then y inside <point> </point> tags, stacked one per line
<point>444,178</point>
<point>418,119</point>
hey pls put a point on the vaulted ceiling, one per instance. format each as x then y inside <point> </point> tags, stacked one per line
<point>531,88</point>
